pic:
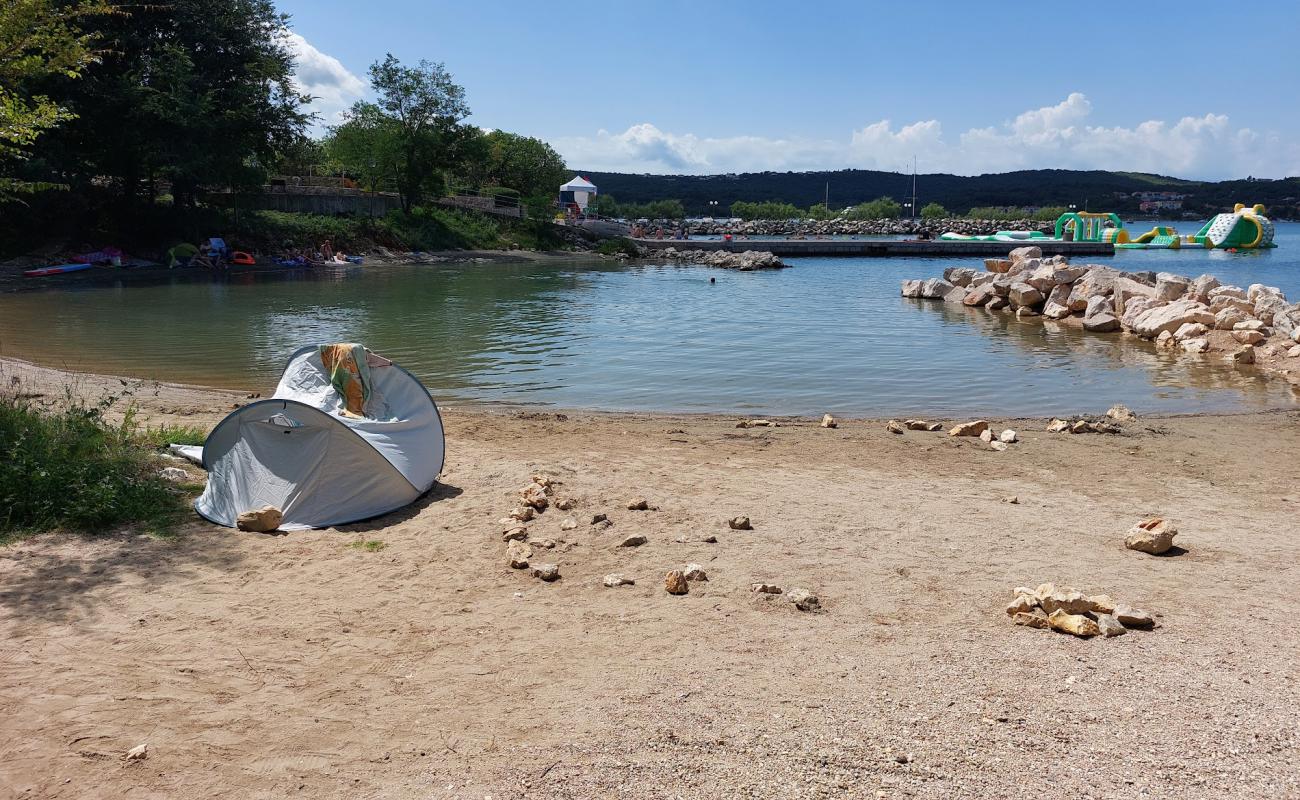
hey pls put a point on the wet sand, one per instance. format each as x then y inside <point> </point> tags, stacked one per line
<point>275,666</point>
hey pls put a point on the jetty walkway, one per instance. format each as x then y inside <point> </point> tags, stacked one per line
<point>880,247</point>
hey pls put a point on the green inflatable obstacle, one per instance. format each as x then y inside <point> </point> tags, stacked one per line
<point>1242,229</point>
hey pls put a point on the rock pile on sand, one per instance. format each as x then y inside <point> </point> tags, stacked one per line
<point>1067,610</point>
<point>747,261</point>
<point>1190,314</point>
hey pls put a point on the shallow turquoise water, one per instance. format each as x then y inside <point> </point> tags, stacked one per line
<point>827,335</point>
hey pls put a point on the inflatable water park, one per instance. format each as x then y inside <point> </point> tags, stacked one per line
<point>1243,228</point>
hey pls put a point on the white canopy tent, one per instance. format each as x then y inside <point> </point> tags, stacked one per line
<point>298,452</point>
<point>578,191</point>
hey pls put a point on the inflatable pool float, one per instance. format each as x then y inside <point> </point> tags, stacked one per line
<point>59,270</point>
<point>242,258</point>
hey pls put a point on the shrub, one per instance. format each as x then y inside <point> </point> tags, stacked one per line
<point>611,247</point>
<point>66,467</point>
<point>880,208</point>
<point>933,211</point>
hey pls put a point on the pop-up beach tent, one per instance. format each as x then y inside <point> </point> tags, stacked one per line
<point>303,452</point>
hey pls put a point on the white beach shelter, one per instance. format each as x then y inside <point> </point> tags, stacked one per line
<point>299,453</point>
<point>578,191</point>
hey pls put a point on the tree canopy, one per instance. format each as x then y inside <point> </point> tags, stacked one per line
<point>411,134</point>
<point>39,41</point>
<point>195,92</point>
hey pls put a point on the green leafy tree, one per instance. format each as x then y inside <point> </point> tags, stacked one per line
<point>819,211</point>
<point>527,165</point>
<point>421,108</point>
<point>880,208</point>
<point>933,211</point>
<point>194,92</point>
<point>770,209</point>
<point>40,42</point>
<point>367,147</point>
<point>606,206</point>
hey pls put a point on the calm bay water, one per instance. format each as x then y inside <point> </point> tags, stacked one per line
<point>827,335</point>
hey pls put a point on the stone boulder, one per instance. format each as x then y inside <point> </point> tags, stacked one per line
<point>1154,536</point>
<point>979,295</point>
<point>959,276</point>
<point>912,288</point>
<point>956,295</point>
<point>804,600</point>
<point>998,265</point>
<point>1101,323</point>
<point>675,583</point>
<point>1076,624</point>
<point>1245,306</point>
<point>1258,290</point>
<point>1170,287</point>
<point>1171,317</point>
<point>1124,289</point>
<point>1021,253</point>
<point>1267,307</point>
<point>1249,337</point>
<point>1287,321</point>
<point>1136,307</point>
<point>1022,295</point>
<point>1227,291</point>
<point>969,428</point>
<point>1190,330</point>
<point>1200,288</point>
<point>1228,318</point>
<point>263,520</point>
<point>935,289</point>
<point>1058,302</point>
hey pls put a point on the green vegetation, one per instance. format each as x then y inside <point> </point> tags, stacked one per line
<point>163,435</point>
<point>611,247</point>
<point>880,208</point>
<point>66,468</point>
<point>606,206</point>
<point>369,545</point>
<point>819,211</point>
<point>412,134</point>
<point>1012,213</point>
<point>770,209</point>
<point>934,211</point>
<point>39,41</point>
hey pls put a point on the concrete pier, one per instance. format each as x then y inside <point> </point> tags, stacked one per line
<point>795,248</point>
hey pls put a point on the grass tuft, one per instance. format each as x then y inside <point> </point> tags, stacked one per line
<point>63,466</point>
<point>369,545</point>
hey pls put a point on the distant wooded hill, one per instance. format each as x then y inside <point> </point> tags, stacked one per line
<point>1098,190</point>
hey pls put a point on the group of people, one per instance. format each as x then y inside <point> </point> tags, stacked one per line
<point>640,231</point>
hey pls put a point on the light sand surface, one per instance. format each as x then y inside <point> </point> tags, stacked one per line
<point>258,666</point>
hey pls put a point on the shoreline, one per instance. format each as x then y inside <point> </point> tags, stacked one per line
<point>403,655</point>
<point>178,394</point>
<point>12,280</point>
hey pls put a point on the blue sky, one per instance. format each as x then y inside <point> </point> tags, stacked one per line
<point>1191,88</point>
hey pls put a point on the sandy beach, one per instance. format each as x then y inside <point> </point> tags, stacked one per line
<point>295,665</point>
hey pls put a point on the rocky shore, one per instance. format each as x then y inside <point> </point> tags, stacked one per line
<point>746,261</point>
<point>868,227</point>
<point>1194,315</point>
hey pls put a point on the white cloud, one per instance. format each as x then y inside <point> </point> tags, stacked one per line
<point>324,77</point>
<point>1056,136</point>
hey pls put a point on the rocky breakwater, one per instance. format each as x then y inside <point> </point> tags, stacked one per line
<point>745,262</point>
<point>1194,315</point>
<point>865,227</point>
